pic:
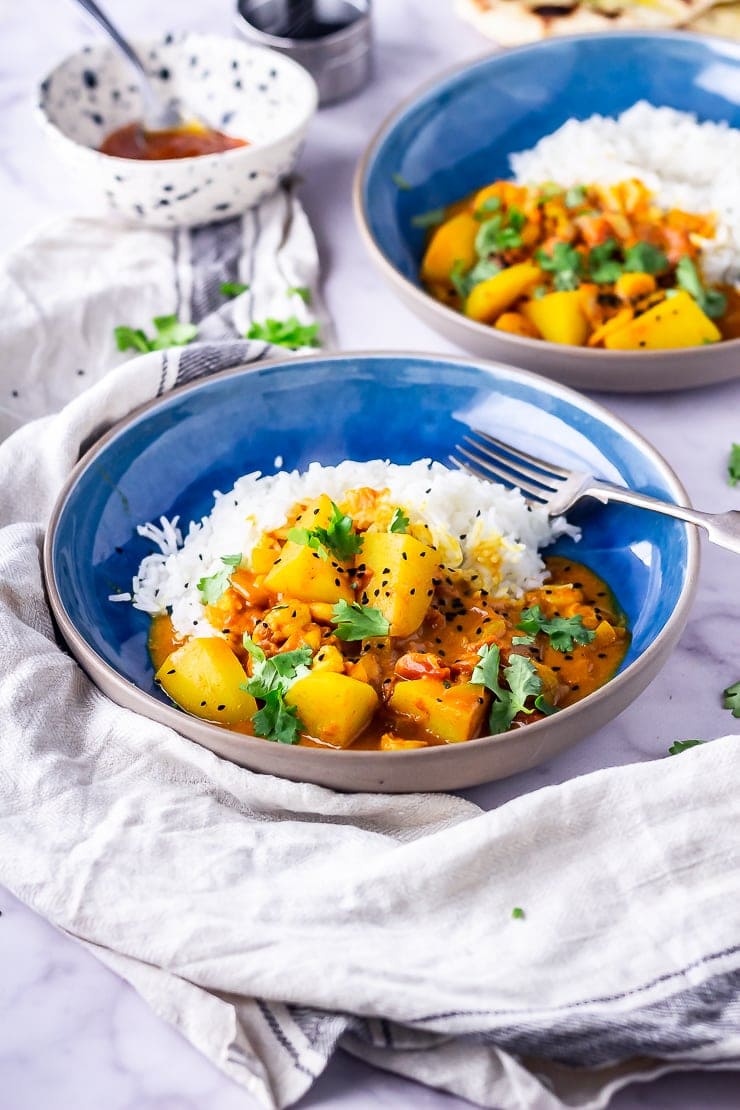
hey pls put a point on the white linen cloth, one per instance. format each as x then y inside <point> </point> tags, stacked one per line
<point>272,921</point>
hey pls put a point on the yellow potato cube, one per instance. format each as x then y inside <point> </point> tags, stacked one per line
<point>490,298</point>
<point>402,570</point>
<point>205,678</point>
<point>453,241</point>
<point>452,714</point>
<point>675,322</point>
<point>299,572</point>
<point>559,317</point>
<point>333,707</point>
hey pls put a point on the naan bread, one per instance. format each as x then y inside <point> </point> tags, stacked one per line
<point>512,22</point>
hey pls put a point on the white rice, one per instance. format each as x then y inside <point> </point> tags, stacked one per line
<point>462,512</point>
<point>686,164</point>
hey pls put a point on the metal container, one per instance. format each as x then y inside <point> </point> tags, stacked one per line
<point>331,38</point>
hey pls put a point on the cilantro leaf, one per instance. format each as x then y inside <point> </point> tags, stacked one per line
<point>301,291</point>
<point>400,182</point>
<point>710,301</point>
<point>575,195</point>
<point>564,632</point>
<point>644,258</point>
<point>603,265</point>
<point>522,678</point>
<point>232,288</point>
<point>522,641</point>
<point>549,191</point>
<point>277,721</point>
<point>358,622</point>
<point>544,706</point>
<point>464,281</point>
<point>565,262</point>
<point>683,745</point>
<point>521,675</point>
<point>212,587</point>
<point>733,465</point>
<point>278,672</point>
<point>732,699</point>
<point>517,913</point>
<point>308,537</point>
<point>399,521</point>
<point>431,218</point>
<point>170,333</point>
<point>285,333</point>
<point>500,233</point>
<point>490,204</point>
<point>338,537</point>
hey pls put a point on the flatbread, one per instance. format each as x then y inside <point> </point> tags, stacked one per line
<point>512,22</point>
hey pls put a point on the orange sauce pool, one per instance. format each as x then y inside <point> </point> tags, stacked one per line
<point>132,141</point>
<point>458,617</point>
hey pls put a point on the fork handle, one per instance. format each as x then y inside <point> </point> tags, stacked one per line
<point>721,528</point>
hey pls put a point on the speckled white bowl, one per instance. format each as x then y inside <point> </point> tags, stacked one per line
<point>246,91</point>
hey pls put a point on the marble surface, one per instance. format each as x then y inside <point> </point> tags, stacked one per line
<point>71,1033</point>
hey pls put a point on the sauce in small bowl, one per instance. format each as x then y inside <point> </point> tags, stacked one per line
<point>133,141</point>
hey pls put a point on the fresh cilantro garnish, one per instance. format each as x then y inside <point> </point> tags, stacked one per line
<point>301,291</point>
<point>549,191</point>
<point>564,632</point>
<point>522,641</point>
<point>358,622</point>
<point>233,288</point>
<point>490,204</point>
<point>500,233</point>
<point>215,585</point>
<point>285,333</point>
<point>399,521</point>
<point>683,745</point>
<point>539,292</point>
<point>523,681</point>
<point>544,706</point>
<point>603,265</point>
<point>400,182</point>
<point>277,673</point>
<point>277,721</point>
<point>308,537</point>
<point>517,913</point>
<point>732,699</point>
<point>565,263</point>
<point>733,465</point>
<point>170,333</point>
<point>431,218</point>
<point>464,281</point>
<point>644,258</point>
<point>338,537</point>
<point>575,195</point>
<point>710,301</point>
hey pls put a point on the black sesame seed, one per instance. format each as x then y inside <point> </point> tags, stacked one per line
<point>404,555</point>
<point>202,703</point>
<point>412,591</point>
<point>220,708</point>
<point>172,671</point>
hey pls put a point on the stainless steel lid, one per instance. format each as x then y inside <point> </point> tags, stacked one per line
<point>331,38</point>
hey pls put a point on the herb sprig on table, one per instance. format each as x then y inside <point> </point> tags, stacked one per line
<point>285,333</point>
<point>169,333</point>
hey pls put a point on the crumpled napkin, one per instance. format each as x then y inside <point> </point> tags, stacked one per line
<point>272,921</point>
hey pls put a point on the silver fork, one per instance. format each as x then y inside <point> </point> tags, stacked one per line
<point>558,489</point>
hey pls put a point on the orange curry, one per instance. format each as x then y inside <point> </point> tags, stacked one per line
<point>132,141</point>
<point>383,647</point>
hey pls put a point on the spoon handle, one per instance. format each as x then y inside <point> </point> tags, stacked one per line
<point>93,9</point>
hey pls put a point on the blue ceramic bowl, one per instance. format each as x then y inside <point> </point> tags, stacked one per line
<point>456,134</point>
<point>169,457</point>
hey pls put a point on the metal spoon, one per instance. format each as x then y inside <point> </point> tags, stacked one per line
<point>159,114</point>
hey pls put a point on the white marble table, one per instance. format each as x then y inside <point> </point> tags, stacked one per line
<point>71,1033</point>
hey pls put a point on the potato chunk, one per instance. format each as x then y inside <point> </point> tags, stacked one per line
<point>333,707</point>
<point>402,570</point>
<point>299,572</point>
<point>489,298</point>
<point>675,322</point>
<point>453,714</point>
<point>204,677</point>
<point>559,317</point>
<point>453,241</point>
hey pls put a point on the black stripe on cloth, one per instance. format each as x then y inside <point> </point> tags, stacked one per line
<point>703,1015</point>
<point>202,359</point>
<point>215,251</point>
<point>282,1039</point>
<point>162,374</point>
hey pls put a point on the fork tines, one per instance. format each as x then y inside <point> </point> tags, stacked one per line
<point>489,457</point>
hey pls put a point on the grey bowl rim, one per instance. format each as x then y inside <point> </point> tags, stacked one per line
<point>172,716</point>
<point>449,317</point>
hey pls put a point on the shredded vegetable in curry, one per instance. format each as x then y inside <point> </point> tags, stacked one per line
<point>347,631</point>
<point>592,265</point>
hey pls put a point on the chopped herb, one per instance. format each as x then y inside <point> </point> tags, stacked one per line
<point>285,333</point>
<point>483,270</point>
<point>490,204</point>
<point>683,745</point>
<point>549,191</point>
<point>301,291</point>
<point>564,632</point>
<point>431,218</point>
<point>732,699</point>
<point>522,678</point>
<point>500,233</point>
<point>544,706</point>
<point>519,641</point>
<point>710,301</point>
<point>170,333</point>
<point>278,673</point>
<point>233,288</point>
<point>308,537</point>
<point>565,263</point>
<point>644,258</point>
<point>517,913</point>
<point>539,292</point>
<point>459,279</point>
<point>400,182</point>
<point>339,536</point>
<point>212,587</point>
<point>399,521</point>
<point>575,196</point>
<point>603,265</point>
<point>733,465</point>
<point>358,622</point>
<point>278,721</point>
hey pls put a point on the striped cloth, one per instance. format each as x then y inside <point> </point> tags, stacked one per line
<point>272,921</point>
